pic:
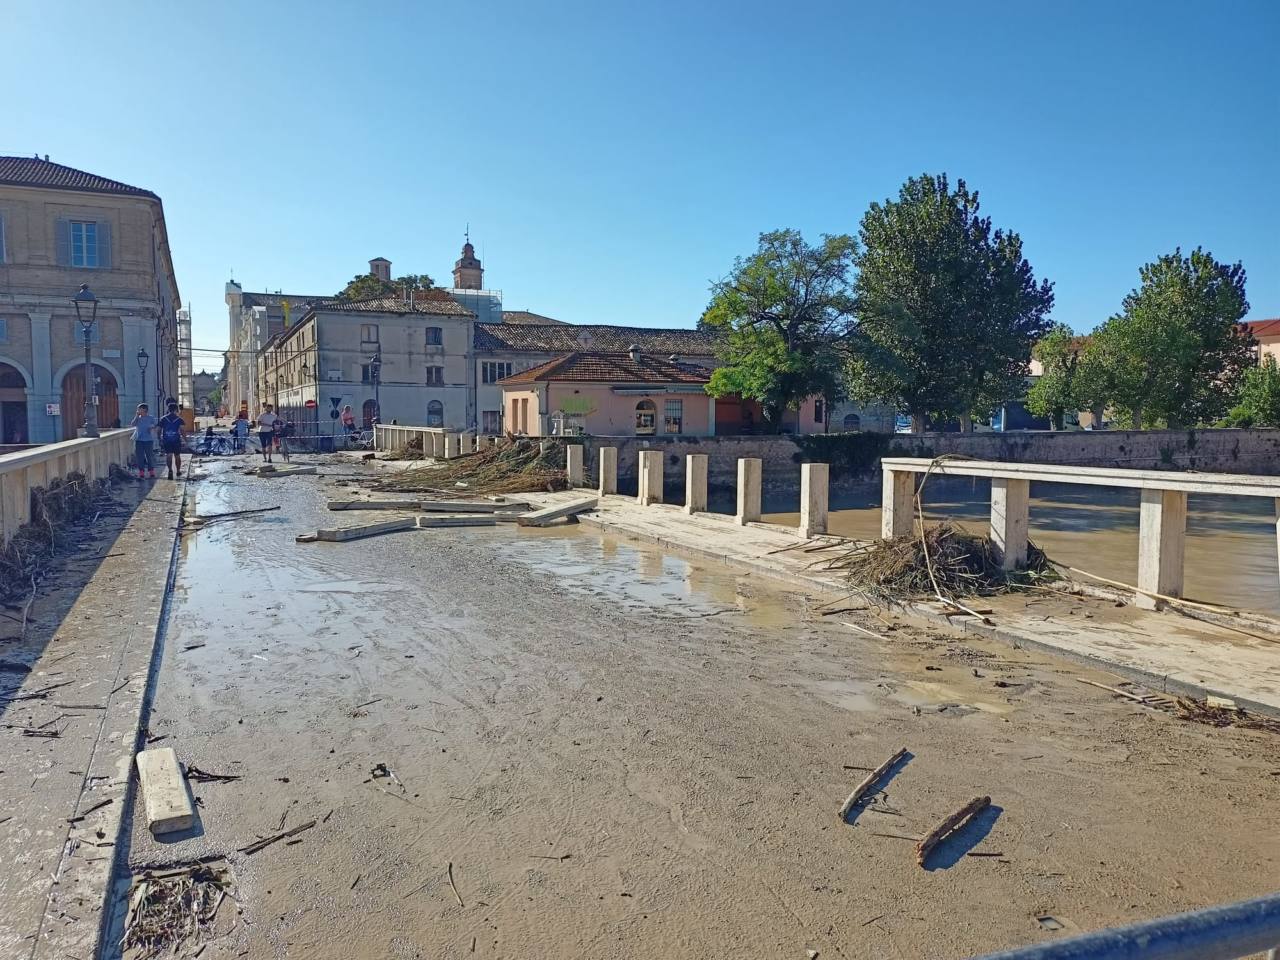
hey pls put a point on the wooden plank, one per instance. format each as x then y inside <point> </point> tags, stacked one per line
<point>164,791</point>
<point>287,471</point>
<point>540,518</point>
<point>343,534</point>
<point>373,504</point>
<point>468,506</point>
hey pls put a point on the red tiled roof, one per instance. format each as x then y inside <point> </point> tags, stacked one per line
<point>526,317</point>
<point>34,172</point>
<point>565,338</point>
<point>1264,328</point>
<point>433,306</point>
<point>611,368</point>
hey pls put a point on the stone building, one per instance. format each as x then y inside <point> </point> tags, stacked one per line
<point>203,385</point>
<point>59,228</point>
<point>410,360</point>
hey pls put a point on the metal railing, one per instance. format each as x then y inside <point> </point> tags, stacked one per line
<point>1226,932</point>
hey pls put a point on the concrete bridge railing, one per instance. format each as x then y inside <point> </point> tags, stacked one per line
<point>1162,512</point>
<point>22,472</point>
<point>437,442</point>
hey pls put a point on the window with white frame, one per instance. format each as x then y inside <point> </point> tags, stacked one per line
<point>673,415</point>
<point>435,374</point>
<point>368,333</point>
<point>84,243</point>
<point>493,371</point>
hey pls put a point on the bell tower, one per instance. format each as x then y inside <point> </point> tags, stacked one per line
<point>467,272</point>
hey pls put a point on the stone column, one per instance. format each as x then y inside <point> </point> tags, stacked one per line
<point>452,445</point>
<point>814,481</point>
<point>749,472</point>
<point>1009,518</point>
<point>649,479</point>
<point>608,470</point>
<point>573,464</point>
<point>1162,531</point>
<point>695,483</point>
<point>897,504</point>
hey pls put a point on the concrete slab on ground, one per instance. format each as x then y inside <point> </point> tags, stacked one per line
<point>1172,653</point>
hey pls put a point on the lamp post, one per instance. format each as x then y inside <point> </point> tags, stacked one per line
<point>375,372</point>
<point>143,358</point>
<point>87,312</point>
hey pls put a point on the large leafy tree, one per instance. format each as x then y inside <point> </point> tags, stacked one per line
<point>1259,404</point>
<point>366,286</point>
<point>948,308</point>
<point>1176,353</point>
<point>785,313</point>
<point>1054,393</point>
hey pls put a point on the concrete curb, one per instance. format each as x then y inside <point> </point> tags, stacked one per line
<point>1158,681</point>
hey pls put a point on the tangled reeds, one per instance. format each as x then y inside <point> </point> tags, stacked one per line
<point>941,558</point>
<point>412,450</point>
<point>169,908</point>
<point>516,466</point>
<point>53,509</point>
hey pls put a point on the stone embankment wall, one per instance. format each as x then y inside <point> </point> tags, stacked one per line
<point>855,457</point>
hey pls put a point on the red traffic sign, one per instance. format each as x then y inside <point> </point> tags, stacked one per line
<point>310,404</point>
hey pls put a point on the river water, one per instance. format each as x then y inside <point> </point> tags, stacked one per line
<point>1231,541</point>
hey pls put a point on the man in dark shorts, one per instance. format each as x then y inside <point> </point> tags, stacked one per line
<point>171,439</point>
<point>267,430</point>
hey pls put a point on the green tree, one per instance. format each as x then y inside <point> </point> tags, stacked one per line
<point>785,314</point>
<point>1176,353</point>
<point>1259,404</point>
<point>1056,391</point>
<point>948,308</point>
<point>366,286</point>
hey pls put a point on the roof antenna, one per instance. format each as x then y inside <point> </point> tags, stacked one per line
<point>466,236</point>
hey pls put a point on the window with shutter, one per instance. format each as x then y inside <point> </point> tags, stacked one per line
<point>104,248</point>
<point>84,243</point>
<point>62,242</point>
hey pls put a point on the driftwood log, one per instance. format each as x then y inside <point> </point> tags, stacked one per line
<point>871,779</point>
<point>947,826</point>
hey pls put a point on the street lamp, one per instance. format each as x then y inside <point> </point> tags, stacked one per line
<point>87,312</point>
<point>375,371</point>
<point>143,357</point>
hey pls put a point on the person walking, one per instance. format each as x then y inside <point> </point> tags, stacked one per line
<point>144,431</point>
<point>267,430</point>
<point>240,431</point>
<point>171,439</point>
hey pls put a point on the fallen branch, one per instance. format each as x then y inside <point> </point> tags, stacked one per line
<point>268,841</point>
<point>457,895</point>
<point>947,826</point>
<point>871,778</point>
<point>1115,690</point>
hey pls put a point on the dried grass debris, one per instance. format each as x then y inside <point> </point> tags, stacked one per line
<point>515,466</point>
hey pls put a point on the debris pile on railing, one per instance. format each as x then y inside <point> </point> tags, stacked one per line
<point>517,466</point>
<point>172,908</point>
<point>940,559</point>
<point>53,509</point>
<point>411,450</point>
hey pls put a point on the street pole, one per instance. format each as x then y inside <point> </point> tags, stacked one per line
<point>86,302</point>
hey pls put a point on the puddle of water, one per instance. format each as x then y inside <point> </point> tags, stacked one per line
<point>845,694</point>
<point>1230,547</point>
<point>929,693</point>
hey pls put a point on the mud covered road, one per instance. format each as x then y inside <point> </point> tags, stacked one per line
<point>626,754</point>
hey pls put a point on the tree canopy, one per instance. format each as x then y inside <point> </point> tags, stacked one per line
<point>1176,353</point>
<point>1054,394</point>
<point>785,313</point>
<point>366,286</point>
<point>1259,404</point>
<point>948,308</point>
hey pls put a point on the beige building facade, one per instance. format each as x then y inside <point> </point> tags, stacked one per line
<point>60,228</point>
<point>387,358</point>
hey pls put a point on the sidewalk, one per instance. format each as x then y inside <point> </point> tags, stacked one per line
<point>1162,650</point>
<point>89,642</point>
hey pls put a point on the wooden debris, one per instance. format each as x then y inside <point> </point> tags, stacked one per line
<point>948,826</point>
<point>164,790</point>
<point>268,841</point>
<point>870,780</point>
<point>373,504</point>
<point>344,534</point>
<point>203,776</point>
<point>1115,690</point>
<point>457,895</point>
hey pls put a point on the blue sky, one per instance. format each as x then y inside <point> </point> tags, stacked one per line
<point>614,158</point>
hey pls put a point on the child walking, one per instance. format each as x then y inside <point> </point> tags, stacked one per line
<point>144,428</point>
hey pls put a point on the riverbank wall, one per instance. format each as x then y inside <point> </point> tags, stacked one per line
<point>855,457</point>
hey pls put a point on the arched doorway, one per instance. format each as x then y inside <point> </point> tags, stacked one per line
<point>852,422</point>
<point>369,411</point>
<point>73,400</point>
<point>13,405</point>
<point>646,418</point>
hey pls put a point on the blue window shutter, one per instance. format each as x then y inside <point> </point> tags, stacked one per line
<point>104,245</point>
<point>62,242</point>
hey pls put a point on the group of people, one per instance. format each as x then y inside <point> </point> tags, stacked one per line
<point>273,434</point>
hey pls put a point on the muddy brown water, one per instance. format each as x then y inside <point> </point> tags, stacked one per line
<point>1231,553</point>
<point>624,753</point>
